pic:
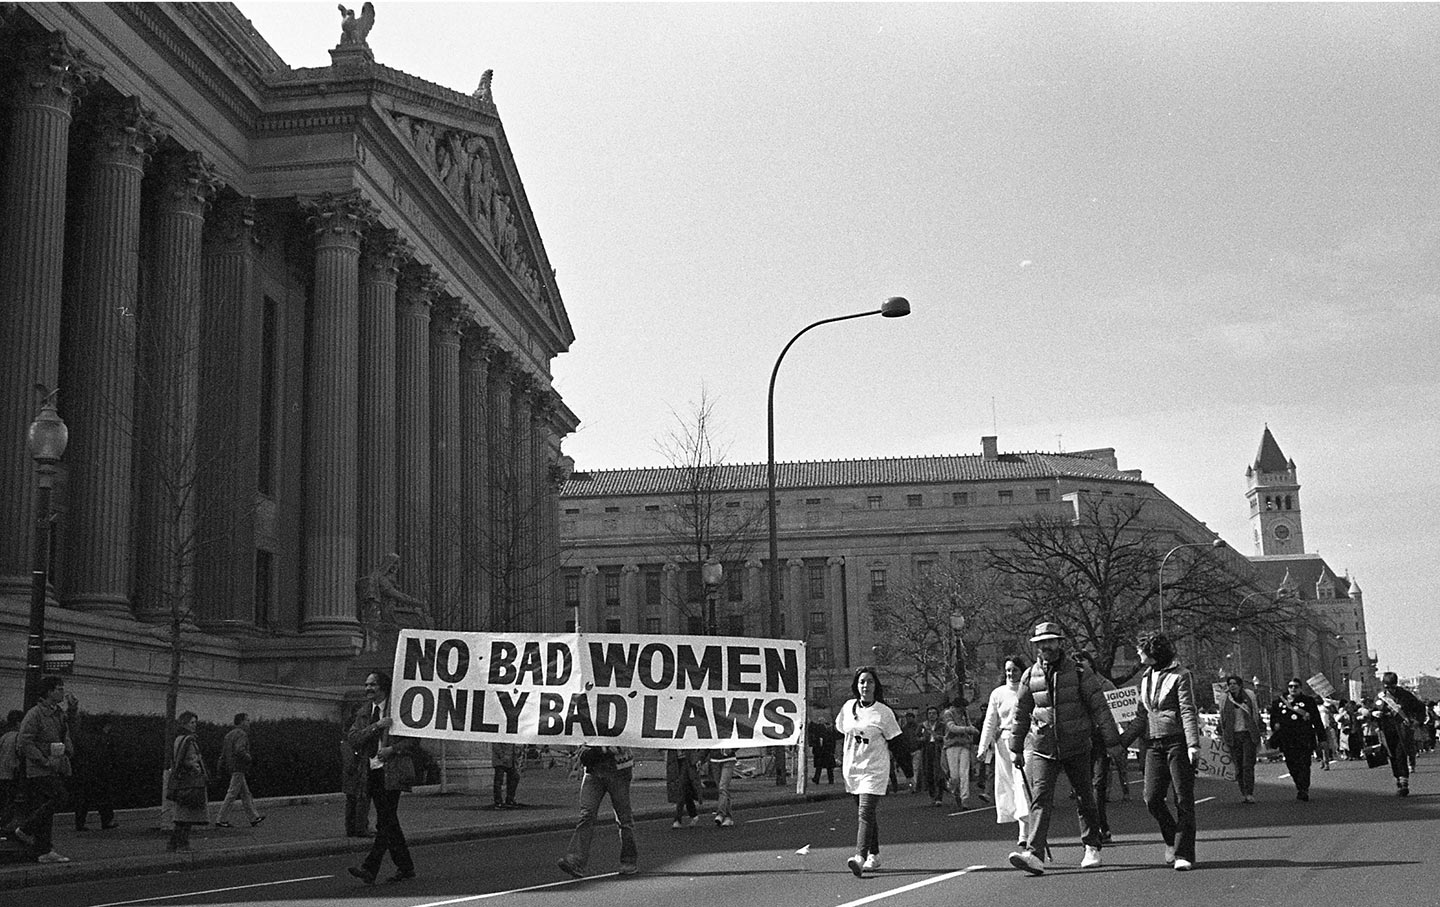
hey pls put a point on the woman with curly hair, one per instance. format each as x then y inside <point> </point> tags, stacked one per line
<point>1167,718</point>
<point>867,724</point>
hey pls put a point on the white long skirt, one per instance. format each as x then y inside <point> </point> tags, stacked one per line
<point>1012,801</point>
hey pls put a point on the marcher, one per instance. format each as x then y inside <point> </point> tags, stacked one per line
<point>1327,733</point>
<point>506,759</point>
<point>1167,718</point>
<point>187,774</point>
<point>1398,710</point>
<point>45,745</point>
<point>1239,725</point>
<point>822,751</point>
<point>722,769</point>
<point>391,771</point>
<point>682,785</point>
<point>961,736</point>
<point>93,776</point>
<point>1100,757</point>
<point>932,756</point>
<point>11,764</point>
<point>909,729</point>
<point>1295,731</point>
<point>608,770</point>
<point>235,758</point>
<point>1011,798</point>
<point>353,773</point>
<point>867,724</point>
<point>1058,712</point>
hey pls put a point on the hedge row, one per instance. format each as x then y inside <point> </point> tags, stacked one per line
<point>293,757</point>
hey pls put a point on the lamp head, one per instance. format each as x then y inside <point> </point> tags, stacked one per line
<point>895,307</point>
<point>48,435</point>
<point>1218,543</point>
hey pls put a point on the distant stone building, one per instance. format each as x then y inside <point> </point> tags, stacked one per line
<point>298,319</point>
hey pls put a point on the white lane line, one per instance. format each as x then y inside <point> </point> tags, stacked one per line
<point>911,887</point>
<point>501,894</point>
<point>818,812</point>
<point>191,894</point>
<point>1206,800</point>
<point>1286,775</point>
<point>973,809</point>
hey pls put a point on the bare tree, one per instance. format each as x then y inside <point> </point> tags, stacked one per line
<point>1097,575</point>
<point>708,519</point>
<point>916,621</point>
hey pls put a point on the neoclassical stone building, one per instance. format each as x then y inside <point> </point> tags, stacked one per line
<point>298,319</point>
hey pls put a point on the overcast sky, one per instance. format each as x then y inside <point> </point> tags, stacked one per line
<point>1149,227</point>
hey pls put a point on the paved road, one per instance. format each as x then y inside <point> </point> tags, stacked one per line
<point>1353,843</point>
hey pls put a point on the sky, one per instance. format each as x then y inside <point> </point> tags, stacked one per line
<point>1157,228</point>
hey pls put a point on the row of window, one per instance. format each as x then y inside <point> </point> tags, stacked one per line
<point>733,584</point>
<point>872,502</point>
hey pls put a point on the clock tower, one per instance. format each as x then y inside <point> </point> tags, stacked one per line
<point>1274,496</point>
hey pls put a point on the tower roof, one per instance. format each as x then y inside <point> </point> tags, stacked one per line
<point>1270,458</point>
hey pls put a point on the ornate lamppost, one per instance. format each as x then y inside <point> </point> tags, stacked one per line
<point>46,439</point>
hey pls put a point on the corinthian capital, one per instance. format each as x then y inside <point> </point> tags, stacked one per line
<point>231,222</point>
<point>418,284</point>
<point>52,72</point>
<point>384,250</point>
<point>125,132</point>
<point>477,342</point>
<point>448,316</point>
<point>186,180</point>
<point>340,213</point>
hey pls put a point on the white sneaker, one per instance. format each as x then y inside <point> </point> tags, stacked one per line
<point>1028,861</point>
<point>678,824</point>
<point>1183,865</point>
<point>872,863</point>
<point>1091,858</point>
<point>52,857</point>
<point>694,820</point>
<point>1169,854</point>
<point>727,822</point>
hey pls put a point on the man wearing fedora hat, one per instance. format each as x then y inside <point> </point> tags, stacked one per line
<point>1061,707</point>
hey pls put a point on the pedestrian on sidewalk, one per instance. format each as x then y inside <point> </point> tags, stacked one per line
<point>93,776</point>
<point>1167,718</point>
<point>868,725</point>
<point>1295,731</point>
<point>822,751</point>
<point>1058,712</point>
<point>236,759</point>
<point>607,770</point>
<point>682,784</point>
<point>11,764</point>
<point>391,771</point>
<point>1240,728</point>
<point>1012,802</point>
<point>506,759</point>
<point>45,745</point>
<point>961,737</point>
<point>722,769</point>
<point>1398,710</point>
<point>353,774</point>
<point>189,784</point>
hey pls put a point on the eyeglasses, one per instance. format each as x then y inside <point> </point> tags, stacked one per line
<point>1293,686</point>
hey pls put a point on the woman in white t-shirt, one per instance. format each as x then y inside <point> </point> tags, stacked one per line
<point>867,724</point>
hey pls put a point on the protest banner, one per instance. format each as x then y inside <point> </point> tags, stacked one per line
<point>1123,703</point>
<point>680,692</point>
<point>1215,760</point>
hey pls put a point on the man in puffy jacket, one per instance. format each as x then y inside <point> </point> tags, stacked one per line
<point>1061,707</point>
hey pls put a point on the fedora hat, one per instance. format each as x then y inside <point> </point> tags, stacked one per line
<point>1047,631</point>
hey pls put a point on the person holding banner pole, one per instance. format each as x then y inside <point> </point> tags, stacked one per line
<point>867,724</point>
<point>1012,802</point>
<point>391,770</point>
<point>1240,728</point>
<point>1168,719</point>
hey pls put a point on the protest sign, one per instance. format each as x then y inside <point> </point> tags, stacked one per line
<point>1123,703</point>
<point>1322,687</point>
<point>1215,760</point>
<point>681,692</point>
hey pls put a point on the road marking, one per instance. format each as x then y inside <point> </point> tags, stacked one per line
<point>818,812</point>
<point>1286,775</point>
<point>501,894</point>
<point>973,809</point>
<point>1206,800</point>
<point>191,894</point>
<point>904,888</point>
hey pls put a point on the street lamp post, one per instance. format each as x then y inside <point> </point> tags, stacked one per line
<point>1216,543</point>
<point>957,625</point>
<point>46,439</point>
<point>894,307</point>
<point>712,572</point>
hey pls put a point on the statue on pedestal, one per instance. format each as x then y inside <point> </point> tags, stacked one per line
<point>376,596</point>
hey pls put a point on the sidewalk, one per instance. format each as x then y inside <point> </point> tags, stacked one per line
<point>311,826</point>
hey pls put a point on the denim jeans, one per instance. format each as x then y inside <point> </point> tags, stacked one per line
<point>725,772</point>
<point>594,786</point>
<point>1041,774</point>
<point>957,761</point>
<point>1242,750</point>
<point>239,790</point>
<point>1100,783</point>
<point>507,781</point>
<point>1167,763</point>
<point>867,826</point>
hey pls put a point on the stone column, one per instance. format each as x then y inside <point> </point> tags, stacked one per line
<point>835,593</point>
<point>795,599</point>
<point>414,296</point>
<point>476,343</point>
<point>382,252</point>
<point>586,620</point>
<point>331,405</point>
<point>32,256</point>
<point>229,418</point>
<point>755,592</point>
<point>670,597</point>
<point>522,514</point>
<point>100,362</point>
<point>166,379</point>
<point>445,325</point>
<point>498,550</point>
<point>633,602</point>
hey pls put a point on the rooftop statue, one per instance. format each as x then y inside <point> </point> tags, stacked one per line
<point>353,30</point>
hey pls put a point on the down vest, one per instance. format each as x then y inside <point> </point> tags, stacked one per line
<point>1059,709</point>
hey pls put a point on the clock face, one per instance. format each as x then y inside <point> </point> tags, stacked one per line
<point>1282,532</point>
